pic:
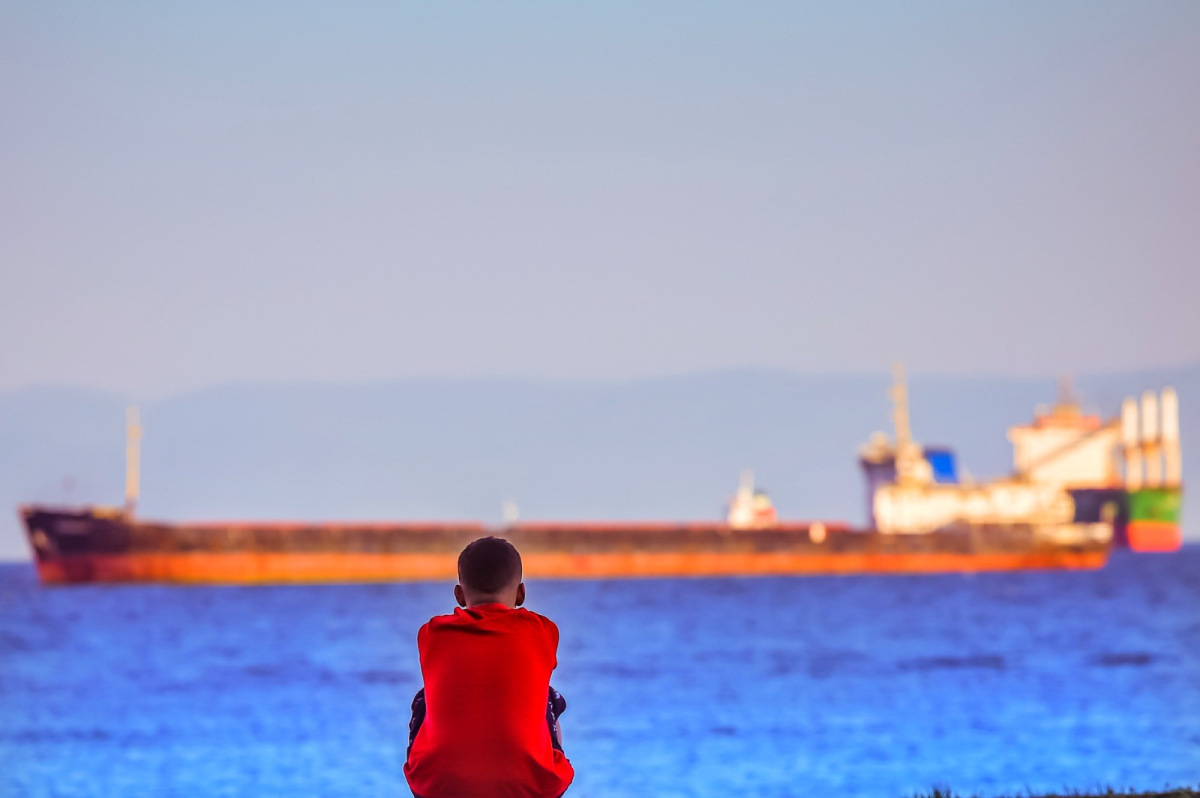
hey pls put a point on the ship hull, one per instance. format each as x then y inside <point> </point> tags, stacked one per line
<point>1154,515</point>
<point>275,569</point>
<point>88,547</point>
<point>1154,536</point>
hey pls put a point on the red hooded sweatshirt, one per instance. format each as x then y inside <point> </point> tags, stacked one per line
<point>487,673</point>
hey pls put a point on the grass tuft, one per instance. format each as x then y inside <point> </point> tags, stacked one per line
<point>1166,792</point>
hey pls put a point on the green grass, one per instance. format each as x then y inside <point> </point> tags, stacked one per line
<point>1166,792</point>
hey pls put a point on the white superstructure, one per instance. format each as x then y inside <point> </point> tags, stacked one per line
<point>1066,447</point>
<point>750,508</point>
<point>914,490</point>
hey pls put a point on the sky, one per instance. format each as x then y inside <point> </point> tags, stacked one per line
<point>193,194</point>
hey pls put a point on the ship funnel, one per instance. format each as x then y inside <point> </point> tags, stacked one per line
<point>1129,440</point>
<point>1151,452</point>
<point>1149,417</point>
<point>1169,405</point>
<point>1129,422</point>
<point>1172,458</point>
<point>133,460</point>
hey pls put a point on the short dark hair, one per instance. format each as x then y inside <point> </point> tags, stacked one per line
<point>489,565</point>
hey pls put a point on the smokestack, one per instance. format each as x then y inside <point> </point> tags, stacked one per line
<point>1149,417</point>
<point>1150,431</point>
<point>1129,439</point>
<point>1172,455</point>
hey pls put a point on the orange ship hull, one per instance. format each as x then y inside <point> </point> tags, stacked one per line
<point>248,568</point>
<point>1153,536</point>
<point>89,546</point>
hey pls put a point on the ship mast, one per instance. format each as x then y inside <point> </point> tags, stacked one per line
<point>909,458</point>
<point>899,394</point>
<point>133,459</point>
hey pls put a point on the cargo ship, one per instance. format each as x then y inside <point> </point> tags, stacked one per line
<point>1073,473</point>
<point>1062,508</point>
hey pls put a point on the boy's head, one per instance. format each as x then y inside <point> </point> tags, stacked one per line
<point>489,572</point>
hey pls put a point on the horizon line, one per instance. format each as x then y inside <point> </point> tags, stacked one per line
<point>371,382</point>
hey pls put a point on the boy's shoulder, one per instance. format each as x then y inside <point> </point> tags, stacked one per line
<point>523,630</point>
<point>533,618</point>
<point>495,616</point>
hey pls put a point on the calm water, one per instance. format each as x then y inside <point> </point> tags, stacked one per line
<point>768,687</point>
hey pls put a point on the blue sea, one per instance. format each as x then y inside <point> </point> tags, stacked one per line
<point>848,686</point>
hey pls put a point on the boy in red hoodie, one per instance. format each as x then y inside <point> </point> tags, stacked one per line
<point>486,722</point>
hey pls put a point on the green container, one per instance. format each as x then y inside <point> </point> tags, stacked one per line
<point>1155,504</point>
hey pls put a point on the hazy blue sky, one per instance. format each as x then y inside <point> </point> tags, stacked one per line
<point>195,193</point>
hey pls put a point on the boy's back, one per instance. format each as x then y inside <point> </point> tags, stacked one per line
<point>487,670</point>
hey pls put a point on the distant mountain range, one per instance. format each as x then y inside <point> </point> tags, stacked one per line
<point>668,448</point>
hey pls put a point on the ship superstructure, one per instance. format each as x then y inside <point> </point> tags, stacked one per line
<point>1075,476</point>
<point>750,508</point>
